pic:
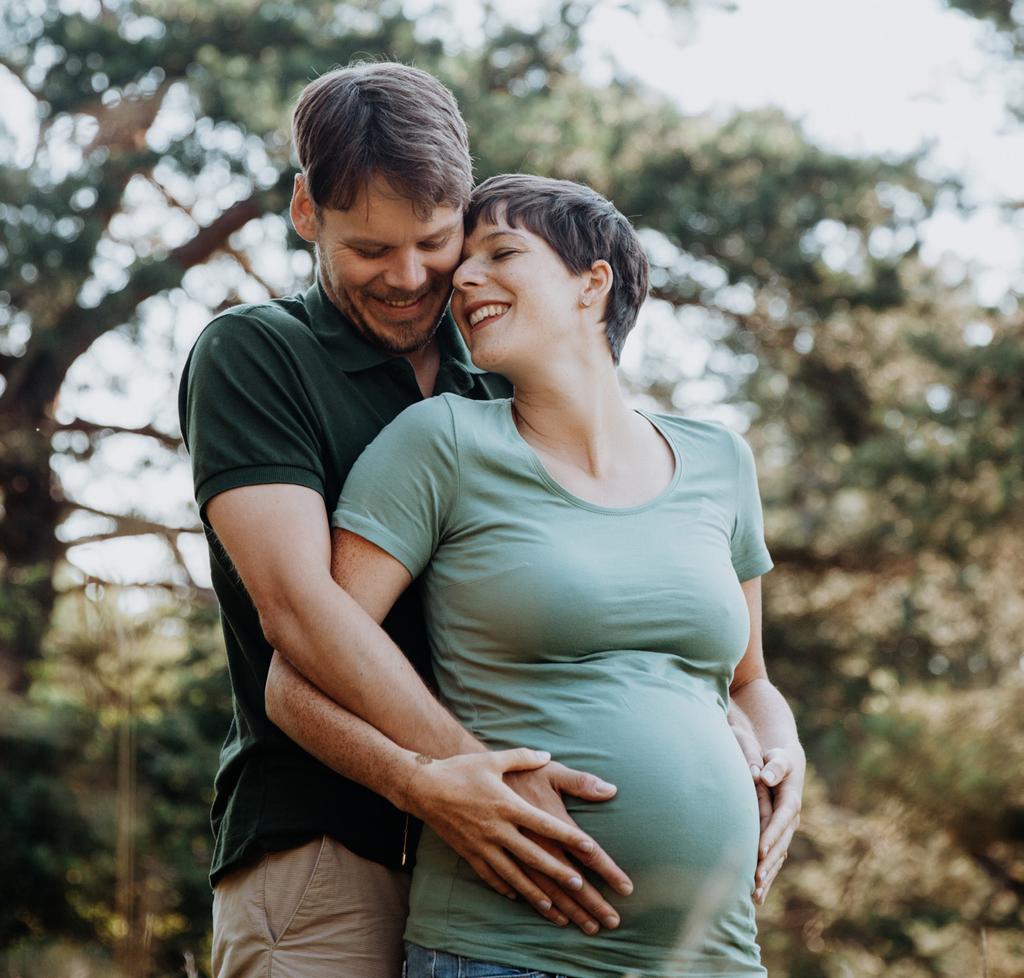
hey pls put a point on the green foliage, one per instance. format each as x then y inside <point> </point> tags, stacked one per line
<point>1001,13</point>
<point>45,837</point>
<point>91,855</point>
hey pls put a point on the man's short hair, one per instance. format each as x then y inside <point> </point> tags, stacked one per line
<point>582,227</point>
<point>382,120</point>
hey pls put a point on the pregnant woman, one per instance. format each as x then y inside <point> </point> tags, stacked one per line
<point>588,573</point>
<point>590,576</point>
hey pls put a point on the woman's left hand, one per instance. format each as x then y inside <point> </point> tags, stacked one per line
<point>782,774</point>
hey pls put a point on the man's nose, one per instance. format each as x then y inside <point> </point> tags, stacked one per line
<point>406,271</point>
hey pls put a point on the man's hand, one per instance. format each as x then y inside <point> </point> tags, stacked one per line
<point>513,843</point>
<point>583,905</point>
<point>783,774</point>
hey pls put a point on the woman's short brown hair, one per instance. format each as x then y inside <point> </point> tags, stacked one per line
<point>582,227</point>
<point>382,120</point>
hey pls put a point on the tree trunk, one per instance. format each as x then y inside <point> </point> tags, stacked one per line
<point>30,509</point>
<point>31,502</point>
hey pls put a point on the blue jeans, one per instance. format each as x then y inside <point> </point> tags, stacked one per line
<point>421,962</point>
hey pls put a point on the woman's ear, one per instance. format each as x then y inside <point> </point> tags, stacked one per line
<point>303,210</point>
<point>596,283</point>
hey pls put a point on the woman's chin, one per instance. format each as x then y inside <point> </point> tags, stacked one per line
<point>487,358</point>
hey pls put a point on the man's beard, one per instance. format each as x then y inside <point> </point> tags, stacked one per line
<point>397,338</point>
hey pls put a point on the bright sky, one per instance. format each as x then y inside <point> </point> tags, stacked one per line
<point>872,76</point>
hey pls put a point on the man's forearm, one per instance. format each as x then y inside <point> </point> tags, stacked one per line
<point>340,649</point>
<point>336,737</point>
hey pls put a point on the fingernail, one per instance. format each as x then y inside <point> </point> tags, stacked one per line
<point>611,921</point>
<point>511,896</point>
<point>561,921</point>
<point>768,776</point>
<point>586,846</point>
<point>544,755</point>
<point>625,888</point>
<point>574,883</point>
<point>590,927</point>
<point>604,785</point>
<point>759,894</point>
<point>544,905</point>
<point>755,770</point>
<point>760,876</point>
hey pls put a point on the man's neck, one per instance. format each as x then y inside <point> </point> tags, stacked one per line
<point>425,364</point>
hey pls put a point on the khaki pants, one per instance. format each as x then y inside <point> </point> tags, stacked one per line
<point>318,911</point>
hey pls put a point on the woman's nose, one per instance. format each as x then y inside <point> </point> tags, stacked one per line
<point>467,274</point>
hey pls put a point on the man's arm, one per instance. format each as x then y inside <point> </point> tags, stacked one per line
<point>278,539</point>
<point>781,762</point>
<point>466,798</point>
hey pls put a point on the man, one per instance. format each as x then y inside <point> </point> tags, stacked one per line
<point>277,401</point>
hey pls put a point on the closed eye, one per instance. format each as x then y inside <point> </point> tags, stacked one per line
<point>504,253</point>
<point>435,245</point>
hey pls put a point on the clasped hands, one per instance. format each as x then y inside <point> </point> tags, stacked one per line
<point>502,812</point>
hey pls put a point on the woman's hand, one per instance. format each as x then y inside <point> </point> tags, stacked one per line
<point>759,715</point>
<point>743,731</point>
<point>502,812</point>
<point>782,774</point>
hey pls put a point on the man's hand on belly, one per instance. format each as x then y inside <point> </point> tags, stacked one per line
<point>582,904</point>
<point>502,812</point>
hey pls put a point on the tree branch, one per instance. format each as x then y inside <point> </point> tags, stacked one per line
<point>17,72</point>
<point>134,526</point>
<point>998,872</point>
<point>92,428</point>
<point>804,559</point>
<point>214,236</point>
<point>138,524</point>
<point>243,260</point>
<point>195,592</point>
<point>42,371</point>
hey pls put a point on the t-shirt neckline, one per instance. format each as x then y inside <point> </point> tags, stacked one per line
<point>560,490</point>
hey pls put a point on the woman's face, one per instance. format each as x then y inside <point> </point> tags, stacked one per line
<point>514,300</point>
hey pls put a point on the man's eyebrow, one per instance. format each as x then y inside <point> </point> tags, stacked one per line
<point>365,243</point>
<point>445,232</point>
<point>441,233</point>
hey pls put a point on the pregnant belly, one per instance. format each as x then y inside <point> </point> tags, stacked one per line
<point>684,822</point>
<point>683,825</point>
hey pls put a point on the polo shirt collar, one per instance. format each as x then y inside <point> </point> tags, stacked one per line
<point>334,329</point>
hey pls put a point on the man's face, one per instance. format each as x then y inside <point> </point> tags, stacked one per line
<point>384,267</point>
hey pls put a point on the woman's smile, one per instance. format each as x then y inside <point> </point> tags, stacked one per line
<point>484,315</point>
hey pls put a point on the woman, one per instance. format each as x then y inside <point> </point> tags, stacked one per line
<point>588,573</point>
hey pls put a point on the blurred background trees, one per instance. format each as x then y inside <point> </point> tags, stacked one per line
<point>885,405</point>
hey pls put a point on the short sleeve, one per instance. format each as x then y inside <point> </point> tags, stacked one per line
<point>750,557</point>
<point>402,490</point>
<point>245,414</point>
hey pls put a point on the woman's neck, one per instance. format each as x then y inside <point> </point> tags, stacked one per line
<point>577,413</point>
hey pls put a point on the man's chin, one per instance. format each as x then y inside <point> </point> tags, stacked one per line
<point>400,338</point>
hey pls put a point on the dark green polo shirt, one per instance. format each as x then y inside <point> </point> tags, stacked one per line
<point>288,392</point>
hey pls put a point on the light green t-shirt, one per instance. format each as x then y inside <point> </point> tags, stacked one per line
<point>606,636</point>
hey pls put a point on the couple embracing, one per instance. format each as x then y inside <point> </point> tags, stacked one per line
<point>482,618</point>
